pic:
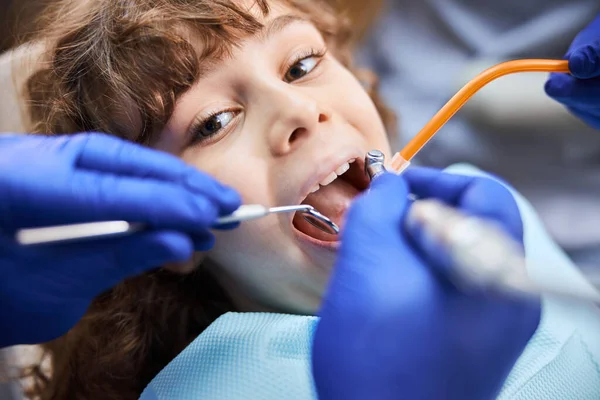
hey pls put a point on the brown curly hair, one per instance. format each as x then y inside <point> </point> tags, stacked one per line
<point>119,66</point>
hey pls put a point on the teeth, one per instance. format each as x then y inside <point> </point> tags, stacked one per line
<point>330,178</point>
<point>342,169</point>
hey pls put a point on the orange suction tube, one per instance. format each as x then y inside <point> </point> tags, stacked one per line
<point>402,159</point>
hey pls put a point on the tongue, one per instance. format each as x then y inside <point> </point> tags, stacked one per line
<point>332,201</point>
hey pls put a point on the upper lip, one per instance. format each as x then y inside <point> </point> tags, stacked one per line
<point>325,165</point>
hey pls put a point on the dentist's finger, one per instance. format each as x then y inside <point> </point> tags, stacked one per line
<point>479,196</point>
<point>375,267</point>
<point>107,154</point>
<point>584,61</point>
<point>431,182</point>
<point>373,228</point>
<point>571,91</point>
<point>90,268</point>
<point>383,206</point>
<point>160,205</point>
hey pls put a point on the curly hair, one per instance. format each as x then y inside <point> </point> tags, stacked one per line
<point>119,66</point>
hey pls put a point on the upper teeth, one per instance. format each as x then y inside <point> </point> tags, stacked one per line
<point>332,176</point>
<point>342,169</point>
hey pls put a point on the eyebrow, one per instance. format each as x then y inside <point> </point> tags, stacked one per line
<point>273,27</point>
<point>278,24</point>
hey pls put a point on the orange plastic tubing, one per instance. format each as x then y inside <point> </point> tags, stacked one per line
<point>464,94</point>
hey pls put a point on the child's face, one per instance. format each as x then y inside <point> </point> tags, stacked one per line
<point>274,120</point>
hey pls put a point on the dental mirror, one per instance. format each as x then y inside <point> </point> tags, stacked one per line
<point>106,229</point>
<point>320,221</point>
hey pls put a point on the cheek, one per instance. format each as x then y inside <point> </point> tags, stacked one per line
<point>249,244</point>
<point>358,109</point>
<point>256,254</point>
<point>236,168</point>
<point>249,176</point>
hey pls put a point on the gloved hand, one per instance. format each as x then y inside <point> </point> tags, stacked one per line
<point>45,290</point>
<point>581,91</point>
<point>391,328</point>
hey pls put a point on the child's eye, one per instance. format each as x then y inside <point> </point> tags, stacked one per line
<point>303,65</point>
<point>212,125</point>
<point>300,69</point>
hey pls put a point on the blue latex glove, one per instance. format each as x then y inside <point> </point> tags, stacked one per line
<point>391,328</point>
<point>581,91</point>
<point>45,290</point>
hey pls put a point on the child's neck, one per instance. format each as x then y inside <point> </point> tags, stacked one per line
<point>239,297</point>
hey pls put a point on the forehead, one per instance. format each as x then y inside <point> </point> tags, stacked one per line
<point>276,8</point>
<point>279,16</point>
<point>213,51</point>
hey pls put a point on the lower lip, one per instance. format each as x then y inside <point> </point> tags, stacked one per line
<point>303,237</point>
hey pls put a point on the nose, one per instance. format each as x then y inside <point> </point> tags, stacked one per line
<point>295,116</point>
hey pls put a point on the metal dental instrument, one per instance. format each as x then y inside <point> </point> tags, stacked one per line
<point>401,160</point>
<point>309,213</point>
<point>481,256</point>
<point>374,161</point>
<point>375,166</point>
<point>106,229</point>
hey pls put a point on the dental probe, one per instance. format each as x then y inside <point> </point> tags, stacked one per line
<point>401,160</point>
<point>477,253</point>
<point>106,229</point>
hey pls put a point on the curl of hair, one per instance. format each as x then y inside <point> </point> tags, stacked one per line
<point>119,66</point>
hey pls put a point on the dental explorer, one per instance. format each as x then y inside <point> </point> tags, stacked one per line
<point>478,255</point>
<point>106,229</point>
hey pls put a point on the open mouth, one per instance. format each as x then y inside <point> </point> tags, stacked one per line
<point>332,197</point>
